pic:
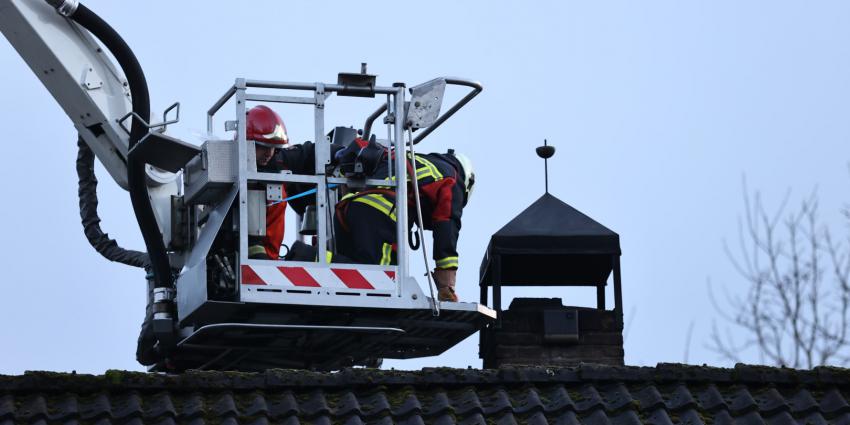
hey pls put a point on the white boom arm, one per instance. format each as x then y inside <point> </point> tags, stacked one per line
<point>77,72</point>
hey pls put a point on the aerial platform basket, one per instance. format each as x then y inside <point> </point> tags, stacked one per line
<point>247,314</point>
<point>227,311</point>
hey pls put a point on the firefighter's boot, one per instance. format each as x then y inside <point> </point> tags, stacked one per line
<point>447,293</point>
<point>445,280</point>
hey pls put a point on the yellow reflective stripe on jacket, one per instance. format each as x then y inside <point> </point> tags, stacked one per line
<point>447,263</point>
<point>386,254</point>
<point>428,168</point>
<point>329,256</point>
<point>378,202</point>
<point>388,179</point>
<point>422,173</point>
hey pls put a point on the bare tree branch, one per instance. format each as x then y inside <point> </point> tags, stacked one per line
<point>796,311</point>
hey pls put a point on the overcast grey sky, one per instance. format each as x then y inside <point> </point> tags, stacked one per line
<point>657,110</point>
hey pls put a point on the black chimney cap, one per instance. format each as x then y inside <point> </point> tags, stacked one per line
<point>551,244</point>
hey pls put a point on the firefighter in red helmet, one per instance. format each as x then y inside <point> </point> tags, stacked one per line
<point>268,132</point>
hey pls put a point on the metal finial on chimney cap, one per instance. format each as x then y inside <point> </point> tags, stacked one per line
<point>545,151</point>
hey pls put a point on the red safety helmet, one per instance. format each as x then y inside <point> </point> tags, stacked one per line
<point>266,128</point>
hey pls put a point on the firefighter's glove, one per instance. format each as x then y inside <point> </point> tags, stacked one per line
<point>258,252</point>
<point>347,154</point>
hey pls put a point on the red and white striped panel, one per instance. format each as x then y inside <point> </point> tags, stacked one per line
<point>316,277</point>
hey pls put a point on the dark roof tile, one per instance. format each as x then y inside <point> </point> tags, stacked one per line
<point>506,419</point>
<point>711,399</point>
<point>680,399</point>
<point>739,400</point>
<point>751,418</point>
<point>495,402</point>
<point>833,402</point>
<point>375,404</point>
<point>292,420</point>
<point>162,421</point>
<point>566,418</point>
<point>443,419</point>
<point>628,417</point>
<point>262,420</point>
<point>476,418</point>
<point>770,401</point>
<point>353,420</point>
<point>843,419</point>
<point>558,399</point>
<point>813,418</point>
<point>409,404</point>
<point>383,420</point>
<point>617,397</point>
<point>320,420</point>
<point>466,402</point>
<point>802,401</point>
<point>95,406</point>
<point>537,418</point>
<point>723,417</point>
<point>62,408</point>
<point>781,418</point>
<point>346,404</point>
<point>124,406</point>
<point>649,398</point>
<point>658,417</point>
<point>7,406</point>
<point>528,402</point>
<point>412,420</point>
<point>588,398</point>
<point>439,404</point>
<point>315,404</point>
<point>224,405</point>
<point>160,405</point>
<point>691,417</point>
<point>595,417</point>
<point>191,406</point>
<point>282,405</point>
<point>33,408</point>
<point>254,404</point>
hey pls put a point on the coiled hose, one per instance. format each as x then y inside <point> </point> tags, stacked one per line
<point>87,192</point>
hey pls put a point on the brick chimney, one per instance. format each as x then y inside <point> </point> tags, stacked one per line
<point>544,332</point>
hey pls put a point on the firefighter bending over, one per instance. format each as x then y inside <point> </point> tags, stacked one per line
<point>365,221</point>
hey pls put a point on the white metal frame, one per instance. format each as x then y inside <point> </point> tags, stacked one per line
<point>407,293</point>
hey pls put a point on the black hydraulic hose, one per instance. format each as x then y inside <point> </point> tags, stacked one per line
<point>160,263</point>
<point>87,192</point>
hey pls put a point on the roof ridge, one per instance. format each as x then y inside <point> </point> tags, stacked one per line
<point>348,378</point>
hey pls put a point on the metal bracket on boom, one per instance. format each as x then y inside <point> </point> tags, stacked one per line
<point>157,149</point>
